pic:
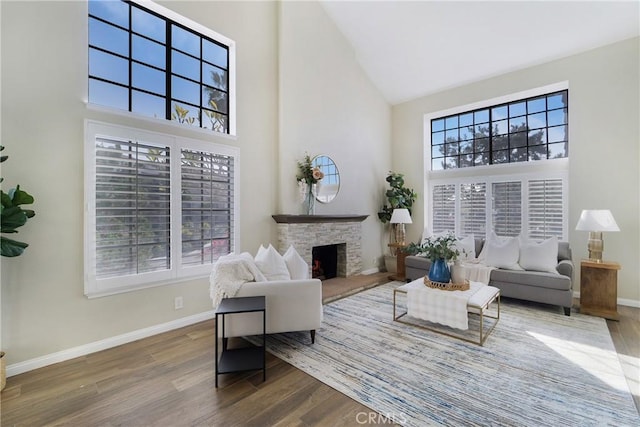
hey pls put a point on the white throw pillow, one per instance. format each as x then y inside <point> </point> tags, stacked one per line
<point>483,252</point>
<point>272,264</point>
<point>503,254</point>
<point>466,246</point>
<point>541,256</point>
<point>492,236</point>
<point>297,266</point>
<point>253,268</point>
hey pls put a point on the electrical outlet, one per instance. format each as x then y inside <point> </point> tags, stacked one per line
<point>178,303</point>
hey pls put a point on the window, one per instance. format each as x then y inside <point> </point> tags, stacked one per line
<point>151,61</point>
<point>545,208</point>
<point>528,129</point>
<point>500,165</point>
<point>506,204</point>
<point>527,205</point>
<point>443,208</point>
<point>159,208</point>
<point>472,208</point>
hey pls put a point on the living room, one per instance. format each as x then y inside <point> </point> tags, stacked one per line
<point>300,89</point>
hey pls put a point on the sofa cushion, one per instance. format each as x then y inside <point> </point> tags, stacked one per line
<point>503,253</point>
<point>564,251</point>
<point>417,262</point>
<point>539,256</point>
<point>272,264</point>
<point>466,246</point>
<point>531,278</point>
<point>253,267</point>
<point>297,266</point>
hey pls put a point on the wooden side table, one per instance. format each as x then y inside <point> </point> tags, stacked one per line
<point>599,289</point>
<point>400,256</point>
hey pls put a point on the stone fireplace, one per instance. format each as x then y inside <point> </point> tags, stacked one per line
<point>305,232</point>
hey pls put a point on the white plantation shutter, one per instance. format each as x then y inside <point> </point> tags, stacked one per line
<point>507,208</point>
<point>132,207</point>
<point>158,207</point>
<point>207,206</point>
<point>546,209</point>
<point>443,205</point>
<point>473,208</point>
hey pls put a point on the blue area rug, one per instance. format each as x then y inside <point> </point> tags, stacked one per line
<point>538,367</point>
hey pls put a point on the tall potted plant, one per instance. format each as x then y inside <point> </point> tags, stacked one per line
<point>12,217</point>
<point>397,197</point>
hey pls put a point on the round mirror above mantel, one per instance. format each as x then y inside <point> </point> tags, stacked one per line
<point>327,188</point>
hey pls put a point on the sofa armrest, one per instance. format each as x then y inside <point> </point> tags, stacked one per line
<point>565,267</point>
<point>292,305</point>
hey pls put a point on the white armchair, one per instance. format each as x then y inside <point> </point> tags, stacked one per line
<point>291,305</point>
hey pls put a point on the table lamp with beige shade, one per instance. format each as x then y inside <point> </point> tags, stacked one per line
<point>400,217</point>
<point>595,222</point>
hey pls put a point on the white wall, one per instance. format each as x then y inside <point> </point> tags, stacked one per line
<point>604,132</point>
<point>44,79</point>
<point>329,106</point>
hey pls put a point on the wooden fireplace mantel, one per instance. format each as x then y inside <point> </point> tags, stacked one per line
<point>310,219</point>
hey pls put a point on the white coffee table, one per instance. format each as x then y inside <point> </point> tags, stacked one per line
<point>478,300</point>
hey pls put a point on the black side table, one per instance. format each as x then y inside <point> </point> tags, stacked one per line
<point>246,358</point>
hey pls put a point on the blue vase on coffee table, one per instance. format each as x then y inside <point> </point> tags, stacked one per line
<point>439,271</point>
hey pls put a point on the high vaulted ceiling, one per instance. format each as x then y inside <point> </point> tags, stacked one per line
<point>414,48</point>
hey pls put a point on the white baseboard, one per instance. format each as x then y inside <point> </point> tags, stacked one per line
<point>621,301</point>
<point>370,271</point>
<point>71,353</point>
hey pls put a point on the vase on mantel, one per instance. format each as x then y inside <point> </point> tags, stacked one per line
<point>309,203</point>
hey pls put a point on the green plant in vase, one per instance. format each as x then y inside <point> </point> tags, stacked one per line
<point>440,250</point>
<point>12,216</point>
<point>308,177</point>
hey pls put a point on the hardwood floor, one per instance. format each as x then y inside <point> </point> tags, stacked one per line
<point>626,338</point>
<point>168,380</point>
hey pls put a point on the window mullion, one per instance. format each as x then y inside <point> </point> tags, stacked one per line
<point>130,59</point>
<point>176,208</point>
<point>488,219</point>
<point>169,70</point>
<point>457,195</point>
<point>490,136</point>
<point>524,201</point>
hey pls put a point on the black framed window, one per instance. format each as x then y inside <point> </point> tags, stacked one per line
<point>147,63</point>
<point>529,129</point>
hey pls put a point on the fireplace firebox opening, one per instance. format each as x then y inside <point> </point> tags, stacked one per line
<point>324,262</point>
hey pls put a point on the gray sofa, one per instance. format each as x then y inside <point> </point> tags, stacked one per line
<point>547,288</point>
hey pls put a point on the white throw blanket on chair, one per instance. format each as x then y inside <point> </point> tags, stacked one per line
<point>229,273</point>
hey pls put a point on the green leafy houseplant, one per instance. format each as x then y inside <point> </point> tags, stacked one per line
<point>13,216</point>
<point>440,247</point>
<point>398,197</point>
